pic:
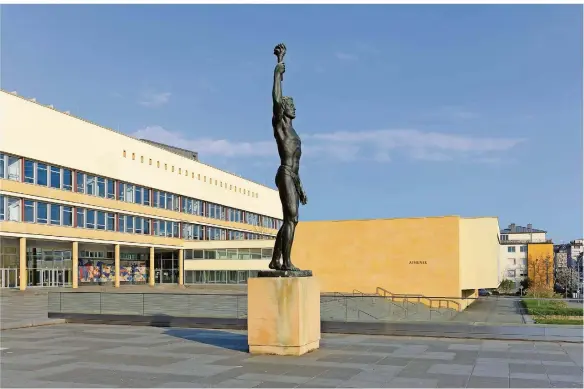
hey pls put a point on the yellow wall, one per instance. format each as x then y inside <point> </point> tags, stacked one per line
<point>540,260</point>
<point>366,254</point>
<point>35,131</point>
<point>479,252</point>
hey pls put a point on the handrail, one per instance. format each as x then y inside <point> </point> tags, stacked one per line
<point>357,291</point>
<point>368,314</point>
<point>418,296</point>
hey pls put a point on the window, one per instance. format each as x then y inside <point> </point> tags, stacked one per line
<point>29,171</point>
<point>101,187</point>
<point>67,179</point>
<point>13,210</point>
<point>504,238</point>
<point>146,196</point>
<point>56,214</point>
<point>111,189</point>
<point>13,169</point>
<point>90,219</point>
<point>80,182</point>
<point>129,223</point>
<point>2,208</point>
<point>128,193</point>
<point>41,174</point>
<point>90,185</point>
<point>81,217</point>
<point>111,222</point>
<point>139,223</point>
<point>510,249</point>
<point>55,177</point>
<point>523,249</point>
<point>512,261</point>
<point>121,223</point>
<point>2,166</point>
<point>511,273</point>
<point>100,220</point>
<point>138,195</point>
<point>147,223</point>
<point>67,216</point>
<point>41,212</point>
<point>29,211</point>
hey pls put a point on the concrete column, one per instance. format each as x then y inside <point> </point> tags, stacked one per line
<point>23,272</point>
<point>117,265</point>
<point>181,267</point>
<point>151,272</point>
<point>75,268</point>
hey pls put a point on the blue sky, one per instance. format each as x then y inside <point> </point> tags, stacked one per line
<point>404,111</point>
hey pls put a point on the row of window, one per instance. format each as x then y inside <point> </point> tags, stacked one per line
<point>41,212</point>
<point>39,173</point>
<point>257,253</point>
<point>186,172</point>
<point>511,249</point>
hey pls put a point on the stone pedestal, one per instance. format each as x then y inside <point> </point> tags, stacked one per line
<point>283,313</point>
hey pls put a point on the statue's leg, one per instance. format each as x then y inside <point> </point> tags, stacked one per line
<point>290,204</point>
<point>277,252</point>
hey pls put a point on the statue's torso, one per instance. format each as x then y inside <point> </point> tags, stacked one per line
<point>289,145</point>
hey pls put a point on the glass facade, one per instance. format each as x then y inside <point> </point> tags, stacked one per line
<point>53,267</point>
<point>41,212</point>
<point>237,254</point>
<point>57,177</point>
<point>218,276</point>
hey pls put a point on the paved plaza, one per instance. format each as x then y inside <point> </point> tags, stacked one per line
<point>77,355</point>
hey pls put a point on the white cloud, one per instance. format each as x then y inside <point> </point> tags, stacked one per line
<point>377,145</point>
<point>151,99</point>
<point>207,146</point>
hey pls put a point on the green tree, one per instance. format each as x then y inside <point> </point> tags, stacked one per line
<point>506,286</point>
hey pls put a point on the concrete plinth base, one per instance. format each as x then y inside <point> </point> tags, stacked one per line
<point>283,315</point>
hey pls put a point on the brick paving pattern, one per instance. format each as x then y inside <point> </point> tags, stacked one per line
<point>72,355</point>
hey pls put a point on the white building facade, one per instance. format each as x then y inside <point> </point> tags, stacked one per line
<point>513,251</point>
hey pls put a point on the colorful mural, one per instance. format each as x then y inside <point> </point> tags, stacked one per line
<point>104,271</point>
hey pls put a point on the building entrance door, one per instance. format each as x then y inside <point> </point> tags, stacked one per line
<point>166,268</point>
<point>54,277</point>
<point>9,278</point>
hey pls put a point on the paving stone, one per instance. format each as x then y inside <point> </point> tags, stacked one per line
<point>487,382</point>
<point>527,383</point>
<point>452,381</point>
<point>524,368</point>
<point>453,369</point>
<point>564,370</point>
<point>413,383</point>
<point>565,378</point>
<point>237,383</point>
<point>74,356</point>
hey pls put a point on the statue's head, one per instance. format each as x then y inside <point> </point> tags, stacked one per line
<point>288,107</point>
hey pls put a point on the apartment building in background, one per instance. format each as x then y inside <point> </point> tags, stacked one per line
<point>83,204</point>
<point>513,255</point>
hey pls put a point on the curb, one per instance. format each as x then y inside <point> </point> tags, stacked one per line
<point>32,323</point>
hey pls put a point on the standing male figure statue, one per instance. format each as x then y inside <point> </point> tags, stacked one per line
<point>287,179</point>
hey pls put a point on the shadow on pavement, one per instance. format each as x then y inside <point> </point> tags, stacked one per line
<point>224,339</point>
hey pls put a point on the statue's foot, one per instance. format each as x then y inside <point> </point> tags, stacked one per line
<point>275,265</point>
<point>289,267</point>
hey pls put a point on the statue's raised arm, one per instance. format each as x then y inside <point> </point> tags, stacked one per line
<point>279,52</point>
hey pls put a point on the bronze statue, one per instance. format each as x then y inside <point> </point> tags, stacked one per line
<point>287,179</point>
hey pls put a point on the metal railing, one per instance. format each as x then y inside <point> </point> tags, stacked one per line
<point>419,298</point>
<point>338,307</point>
